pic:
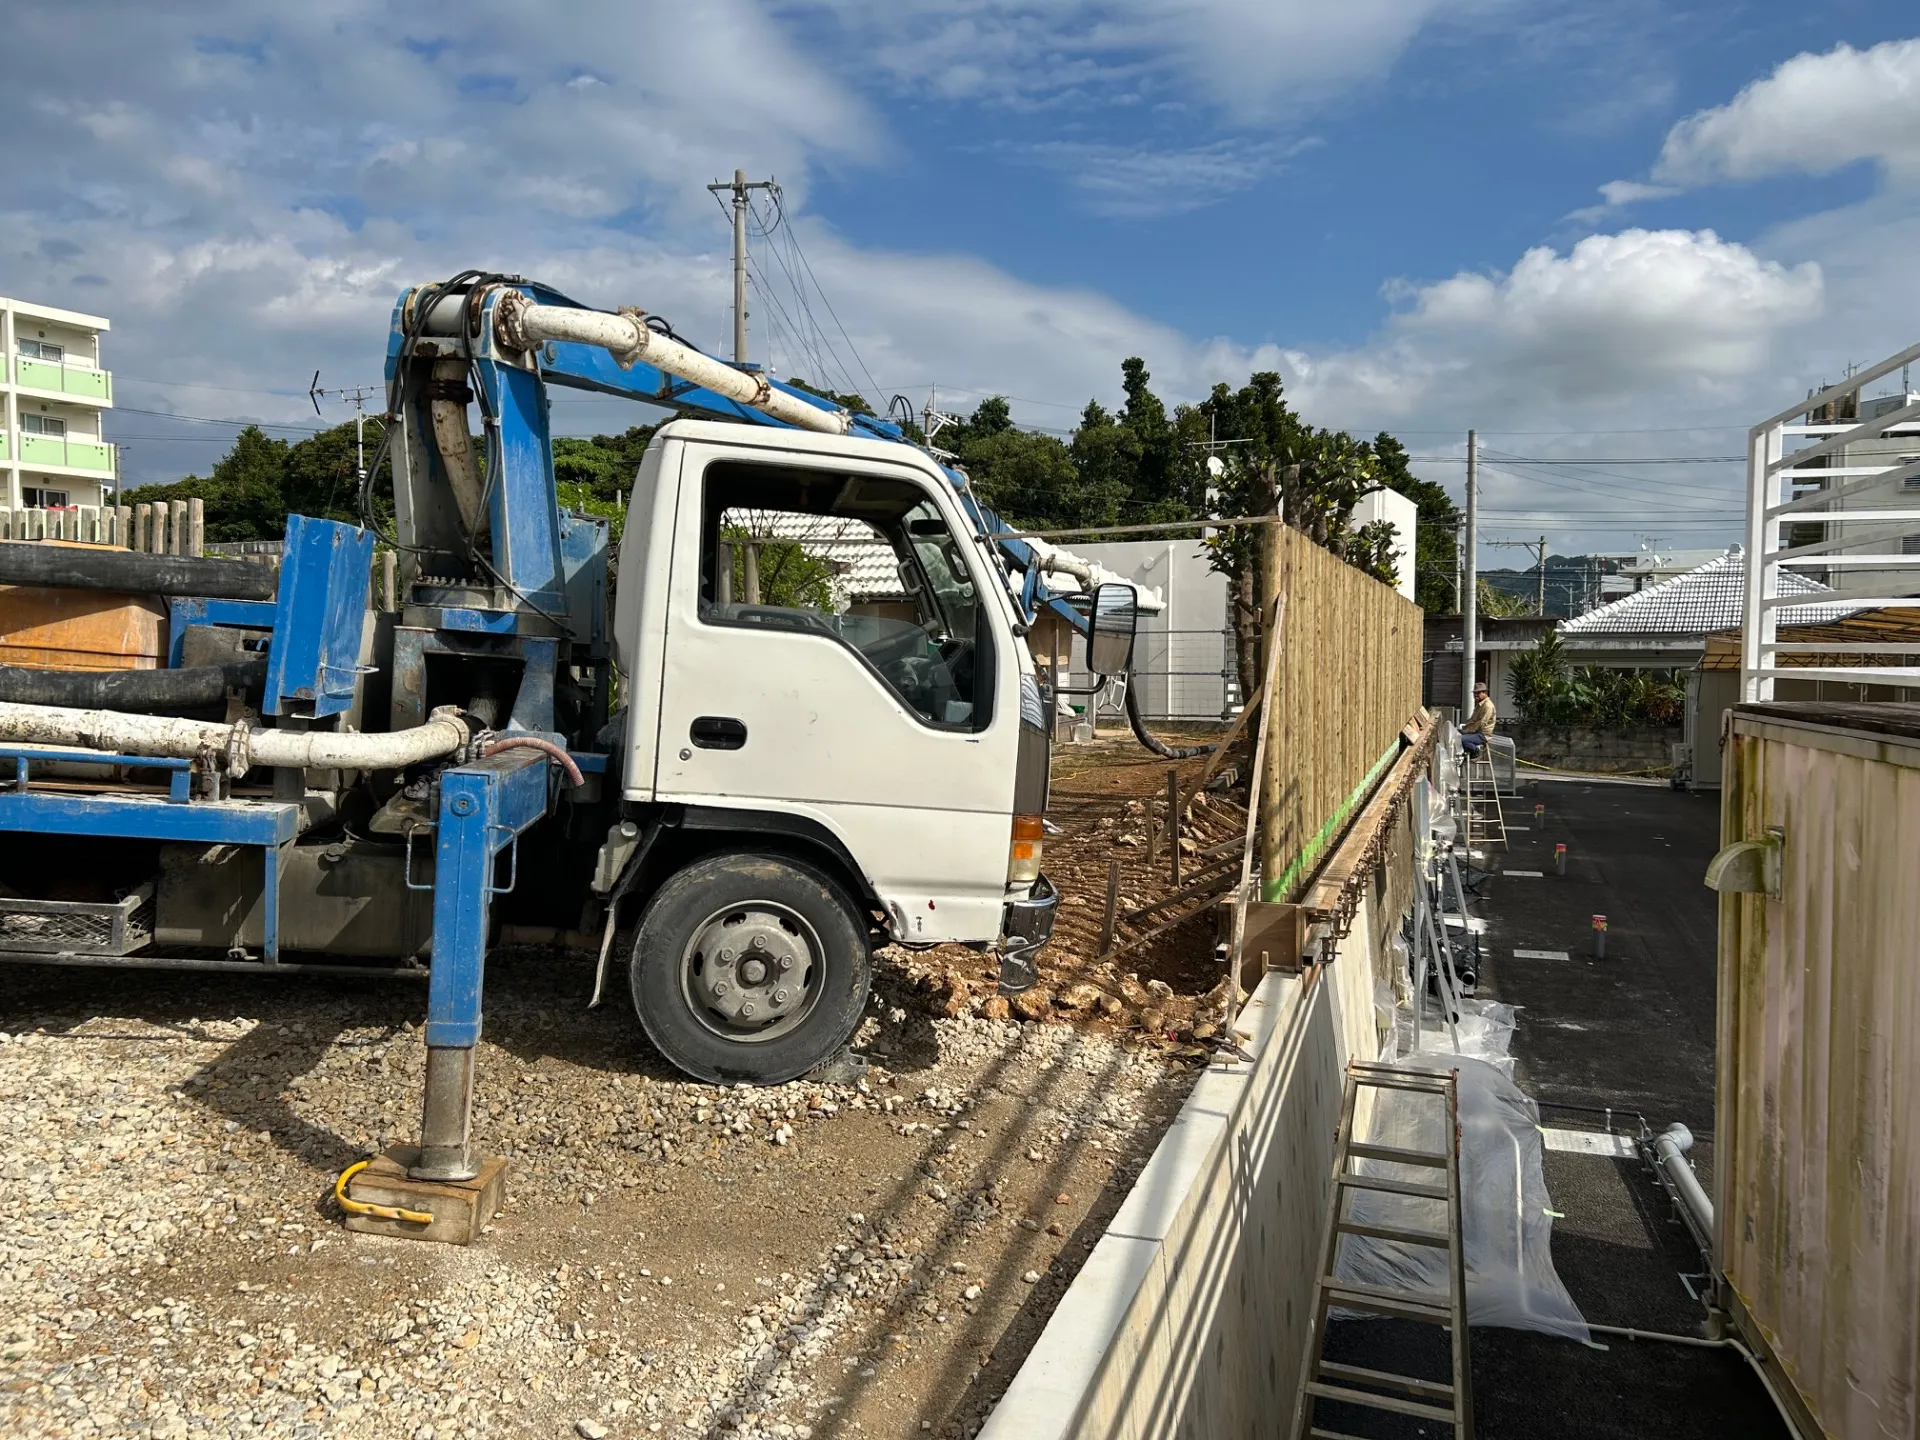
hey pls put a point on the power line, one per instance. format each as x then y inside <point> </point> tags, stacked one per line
<point>212,420</point>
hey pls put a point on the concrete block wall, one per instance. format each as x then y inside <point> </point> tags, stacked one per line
<point>1587,747</point>
<point>1189,1318</point>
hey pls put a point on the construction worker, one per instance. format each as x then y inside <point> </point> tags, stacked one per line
<point>1479,727</point>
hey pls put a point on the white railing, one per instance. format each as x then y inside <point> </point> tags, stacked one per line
<point>1806,468</point>
<point>176,527</point>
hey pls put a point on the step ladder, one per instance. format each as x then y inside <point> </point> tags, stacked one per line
<point>1323,1379</point>
<point>1480,790</point>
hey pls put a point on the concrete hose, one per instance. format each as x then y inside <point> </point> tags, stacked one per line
<point>1152,741</point>
<point>74,567</point>
<point>193,688</point>
<point>243,746</point>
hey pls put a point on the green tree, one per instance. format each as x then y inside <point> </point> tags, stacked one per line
<point>245,494</point>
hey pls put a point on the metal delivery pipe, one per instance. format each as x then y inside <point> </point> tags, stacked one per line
<point>73,567</point>
<point>243,745</point>
<point>191,688</point>
<point>524,325</point>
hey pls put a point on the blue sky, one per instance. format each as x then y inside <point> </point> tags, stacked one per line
<point>1397,203</point>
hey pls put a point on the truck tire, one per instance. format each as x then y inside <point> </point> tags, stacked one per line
<point>750,968</point>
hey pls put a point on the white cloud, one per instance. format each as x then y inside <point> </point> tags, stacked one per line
<point>1672,318</point>
<point>1625,192</point>
<point>1813,115</point>
<point>1141,183</point>
<point>1252,59</point>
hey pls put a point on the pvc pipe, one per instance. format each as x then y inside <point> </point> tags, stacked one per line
<point>1727,1342</point>
<point>243,745</point>
<point>524,325</point>
<point>1670,1154</point>
<point>66,567</point>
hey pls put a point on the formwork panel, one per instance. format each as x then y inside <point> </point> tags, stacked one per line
<point>1818,1145</point>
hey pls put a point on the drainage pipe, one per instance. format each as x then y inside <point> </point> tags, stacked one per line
<point>244,746</point>
<point>74,567</point>
<point>1669,1156</point>
<point>194,687</point>
<point>1725,1342</point>
<point>524,325</point>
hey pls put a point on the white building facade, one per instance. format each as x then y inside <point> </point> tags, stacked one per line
<point>54,395</point>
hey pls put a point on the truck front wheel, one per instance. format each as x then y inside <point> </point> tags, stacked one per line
<point>750,967</point>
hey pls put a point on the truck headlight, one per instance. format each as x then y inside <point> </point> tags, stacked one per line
<point>1023,857</point>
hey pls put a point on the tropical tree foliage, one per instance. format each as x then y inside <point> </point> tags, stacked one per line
<point>1547,691</point>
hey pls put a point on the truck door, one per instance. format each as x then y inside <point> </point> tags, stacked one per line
<point>832,653</point>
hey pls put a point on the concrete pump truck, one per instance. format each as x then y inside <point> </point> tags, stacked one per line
<point>761,782</point>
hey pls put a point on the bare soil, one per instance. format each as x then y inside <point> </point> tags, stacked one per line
<point>803,1260</point>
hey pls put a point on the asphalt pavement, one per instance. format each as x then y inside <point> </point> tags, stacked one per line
<point>1632,1033</point>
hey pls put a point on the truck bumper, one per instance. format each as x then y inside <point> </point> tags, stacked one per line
<point>1028,924</point>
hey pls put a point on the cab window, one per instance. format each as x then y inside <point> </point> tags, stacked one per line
<point>865,562</point>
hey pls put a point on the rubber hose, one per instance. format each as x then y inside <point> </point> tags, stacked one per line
<point>136,691</point>
<point>1152,741</point>
<point>73,567</point>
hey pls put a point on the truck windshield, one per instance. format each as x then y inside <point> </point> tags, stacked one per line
<point>866,562</point>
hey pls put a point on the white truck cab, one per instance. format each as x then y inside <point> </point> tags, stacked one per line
<point>850,763</point>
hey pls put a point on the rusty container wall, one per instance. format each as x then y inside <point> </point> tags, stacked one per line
<point>1817,1150</point>
<point>81,629</point>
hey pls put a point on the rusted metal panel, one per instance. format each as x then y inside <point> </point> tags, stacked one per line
<point>1818,1099</point>
<point>81,629</point>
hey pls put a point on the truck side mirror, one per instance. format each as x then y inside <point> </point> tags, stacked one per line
<point>1110,626</point>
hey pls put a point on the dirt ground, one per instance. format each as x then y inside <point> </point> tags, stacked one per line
<point>803,1260</point>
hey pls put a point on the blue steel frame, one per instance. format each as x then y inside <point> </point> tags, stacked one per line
<point>525,519</point>
<point>269,825</point>
<point>484,809</point>
<point>186,612</point>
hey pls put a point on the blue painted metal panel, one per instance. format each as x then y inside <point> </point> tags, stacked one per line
<point>315,655</point>
<point>188,611</point>
<point>232,822</point>
<point>477,622</point>
<point>524,510</point>
<point>583,557</point>
<point>483,809</point>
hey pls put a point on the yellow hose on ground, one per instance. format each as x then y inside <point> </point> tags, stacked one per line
<point>361,1207</point>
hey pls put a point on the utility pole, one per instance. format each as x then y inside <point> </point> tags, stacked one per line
<point>356,396</point>
<point>1539,549</point>
<point>1470,579</point>
<point>739,187</point>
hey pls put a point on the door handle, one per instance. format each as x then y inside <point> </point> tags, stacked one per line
<point>718,732</point>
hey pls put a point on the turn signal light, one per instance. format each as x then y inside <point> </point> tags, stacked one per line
<point>1023,858</point>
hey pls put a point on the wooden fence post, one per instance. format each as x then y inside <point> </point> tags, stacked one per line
<point>1173,821</point>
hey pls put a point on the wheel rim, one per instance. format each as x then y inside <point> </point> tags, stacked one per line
<point>752,972</point>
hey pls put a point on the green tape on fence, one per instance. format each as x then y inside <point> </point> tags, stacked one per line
<point>1282,889</point>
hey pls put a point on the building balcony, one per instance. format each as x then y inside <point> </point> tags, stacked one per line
<point>64,378</point>
<point>59,452</point>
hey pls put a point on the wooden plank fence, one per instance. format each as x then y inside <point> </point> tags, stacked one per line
<point>163,527</point>
<point>1348,681</point>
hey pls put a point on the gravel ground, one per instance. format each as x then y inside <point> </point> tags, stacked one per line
<point>673,1259</point>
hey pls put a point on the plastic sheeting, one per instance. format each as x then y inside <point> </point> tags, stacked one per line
<point>1506,1222</point>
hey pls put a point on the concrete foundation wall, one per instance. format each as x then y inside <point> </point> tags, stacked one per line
<point>1189,1318</point>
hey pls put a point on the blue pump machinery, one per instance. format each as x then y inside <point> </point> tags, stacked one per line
<point>363,803</point>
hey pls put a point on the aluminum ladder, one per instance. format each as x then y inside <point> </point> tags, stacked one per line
<point>1323,1379</point>
<point>1480,792</point>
